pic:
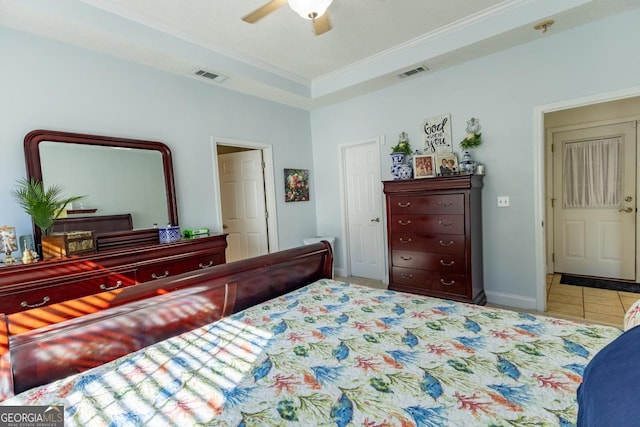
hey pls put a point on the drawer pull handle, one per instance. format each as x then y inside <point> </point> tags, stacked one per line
<point>404,222</point>
<point>445,204</point>
<point>453,282</point>
<point>162,276</point>
<point>406,276</point>
<point>405,241</point>
<point>207,265</point>
<point>445,223</point>
<point>107,288</point>
<point>404,205</point>
<point>26,304</point>
<point>406,258</point>
<point>446,264</point>
<point>446,244</point>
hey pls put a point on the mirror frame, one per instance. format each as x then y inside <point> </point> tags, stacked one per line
<point>105,240</point>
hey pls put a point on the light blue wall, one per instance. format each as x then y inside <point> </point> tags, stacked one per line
<point>501,90</point>
<point>55,86</point>
<point>49,85</point>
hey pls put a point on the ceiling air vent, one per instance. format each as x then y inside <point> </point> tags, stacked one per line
<point>413,71</point>
<point>218,78</point>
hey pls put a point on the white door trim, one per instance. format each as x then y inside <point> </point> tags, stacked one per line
<point>346,271</point>
<point>269,184</point>
<point>539,177</point>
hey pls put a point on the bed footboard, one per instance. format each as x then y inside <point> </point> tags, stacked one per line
<point>136,317</point>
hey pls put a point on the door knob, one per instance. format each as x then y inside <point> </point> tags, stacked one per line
<point>375,220</point>
<point>225,226</point>
<point>627,210</point>
<point>628,199</point>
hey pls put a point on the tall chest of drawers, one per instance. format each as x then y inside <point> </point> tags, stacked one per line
<point>434,229</point>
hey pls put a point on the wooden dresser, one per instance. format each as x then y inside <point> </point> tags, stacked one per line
<point>434,228</point>
<point>43,283</point>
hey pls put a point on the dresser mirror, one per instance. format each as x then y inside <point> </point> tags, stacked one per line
<point>119,177</point>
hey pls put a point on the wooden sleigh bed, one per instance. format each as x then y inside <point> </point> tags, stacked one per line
<point>274,340</point>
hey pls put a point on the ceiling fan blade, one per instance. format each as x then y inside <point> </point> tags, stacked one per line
<point>264,11</point>
<point>322,24</point>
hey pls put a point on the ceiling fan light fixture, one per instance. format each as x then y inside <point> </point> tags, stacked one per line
<point>310,9</point>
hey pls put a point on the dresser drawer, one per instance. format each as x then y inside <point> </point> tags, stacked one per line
<point>441,243</point>
<point>431,224</point>
<point>61,291</point>
<point>422,281</point>
<point>166,269</point>
<point>429,261</point>
<point>432,204</point>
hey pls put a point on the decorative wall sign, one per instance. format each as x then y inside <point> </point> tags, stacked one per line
<point>296,185</point>
<point>436,134</point>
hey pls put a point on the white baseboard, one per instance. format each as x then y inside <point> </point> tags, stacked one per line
<point>511,300</point>
<point>340,272</point>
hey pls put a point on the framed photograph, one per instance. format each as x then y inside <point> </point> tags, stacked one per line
<point>296,185</point>
<point>424,166</point>
<point>447,164</point>
<point>436,134</point>
<point>8,239</point>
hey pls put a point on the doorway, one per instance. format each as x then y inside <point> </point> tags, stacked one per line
<point>619,105</point>
<point>363,212</point>
<point>245,185</point>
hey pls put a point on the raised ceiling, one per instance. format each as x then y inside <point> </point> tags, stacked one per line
<point>279,58</point>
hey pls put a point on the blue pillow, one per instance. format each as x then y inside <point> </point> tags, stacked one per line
<point>610,391</point>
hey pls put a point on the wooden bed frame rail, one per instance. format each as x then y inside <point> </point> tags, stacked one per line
<point>80,334</point>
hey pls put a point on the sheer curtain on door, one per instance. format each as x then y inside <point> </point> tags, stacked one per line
<point>593,173</point>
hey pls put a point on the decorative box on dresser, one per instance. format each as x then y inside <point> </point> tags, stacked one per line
<point>43,283</point>
<point>434,228</point>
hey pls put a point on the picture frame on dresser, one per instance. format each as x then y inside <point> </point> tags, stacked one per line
<point>447,164</point>
<point>8,239</point>
<point>424,166</point>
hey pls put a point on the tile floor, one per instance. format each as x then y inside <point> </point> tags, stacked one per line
<point>567,301</point>
<point>595,305</point>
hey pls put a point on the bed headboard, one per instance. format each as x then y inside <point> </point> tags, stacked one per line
<point>137,316</point>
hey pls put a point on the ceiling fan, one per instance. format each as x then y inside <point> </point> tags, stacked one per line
<point>312,10</point>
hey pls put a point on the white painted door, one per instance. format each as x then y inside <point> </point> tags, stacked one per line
<point>595,201</point>
<point>363,193</point>
<point>243,204</point>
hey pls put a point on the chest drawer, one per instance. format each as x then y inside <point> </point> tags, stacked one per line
<point>429,261</point>
<point>432,204</point>
<point>65,290</point>
<point>428,282</point>
<point>441,243</point>
<point>427,224</point>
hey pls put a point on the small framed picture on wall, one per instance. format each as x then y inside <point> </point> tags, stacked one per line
<point>424,166</point>
<point>296,185</point>
<point>447,164</point>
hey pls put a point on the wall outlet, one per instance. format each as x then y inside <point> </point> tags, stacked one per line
<point>503,201</point>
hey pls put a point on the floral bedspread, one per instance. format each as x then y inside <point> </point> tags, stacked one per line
<point>337,354</point>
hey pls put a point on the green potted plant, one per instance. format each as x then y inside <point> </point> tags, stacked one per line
<point>43,204</point>
<point>403,145</point>
<point>473,137</point>
<point>472,140</point>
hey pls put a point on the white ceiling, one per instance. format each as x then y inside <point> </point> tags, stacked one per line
<point>279,58</point>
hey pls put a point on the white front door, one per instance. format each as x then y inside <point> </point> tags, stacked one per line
<point>363,194</point>
<point>594,207</point>
<point>243,204</point>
